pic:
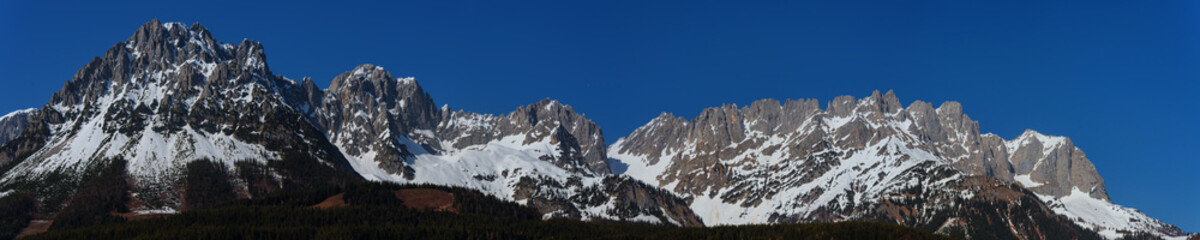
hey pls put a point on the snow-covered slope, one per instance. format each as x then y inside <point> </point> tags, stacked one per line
<point>510,169</point>
<point>794,162</point>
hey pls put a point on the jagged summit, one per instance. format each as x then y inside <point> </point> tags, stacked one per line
<point>365,73</point>
<point>1034,134</point>
<point>842,106</point>
<point>179,60</point>
<point>174,42</point>
<point>168,98</point>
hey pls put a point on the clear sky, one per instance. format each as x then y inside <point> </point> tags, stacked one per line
<point>1120,78</point>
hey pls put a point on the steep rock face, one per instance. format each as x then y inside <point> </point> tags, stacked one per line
<point>13,123</point>
<point>22,144</point>
<point>794,162</point>
<point>367,113</point>
<point>31,139</point>
<point>1052,165</point>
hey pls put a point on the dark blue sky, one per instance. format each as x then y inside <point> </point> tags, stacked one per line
<point>1118,78</point>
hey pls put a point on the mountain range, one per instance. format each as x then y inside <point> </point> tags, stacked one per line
<point>171,105</point>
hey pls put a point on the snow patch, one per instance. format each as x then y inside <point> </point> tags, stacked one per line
<point>165,210</point>
<point>1049,143</point>
<point>1102,216</point>
<point>639,166</point>
<point>1025,181</point>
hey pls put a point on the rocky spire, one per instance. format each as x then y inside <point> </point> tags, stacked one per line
<point>841,106</point>
<point>173,43</point>
<point>538,120</point>
<point>884,104</point>
<point>925,122</point>
<point>409,106</point>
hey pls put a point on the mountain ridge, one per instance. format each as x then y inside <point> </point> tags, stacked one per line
<point>741,158</point>
<point>171,99</point>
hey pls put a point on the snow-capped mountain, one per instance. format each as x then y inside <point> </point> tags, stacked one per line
<point>171,100</point>
<point>873,159</point>
<point>168,96</point>
<point>180,112</point>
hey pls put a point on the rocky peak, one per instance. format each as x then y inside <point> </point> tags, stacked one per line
<point>417,106</point>
<point>13,123</point>
<point>877,104</point>
<point>925,122</point>
<point>1052,165</point>
<point>174,58</point>
<point>762,116</point>
<point>666,131</point>
<point>888,103</point>
<point>173,43</point>
<point>307,98</point>
<point>168,96</point>
<point>957,124</point>
<point>795,112</point>
<point>370,115</point>
<point>667,118</point>
<point>401,99</point>
<point>946,130</point>
<point>719,127</point>
<point>251,55</point>
<point>544,111</point>
<point>538,121</point>
<point>363,78</point>
<point>841,106</point>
